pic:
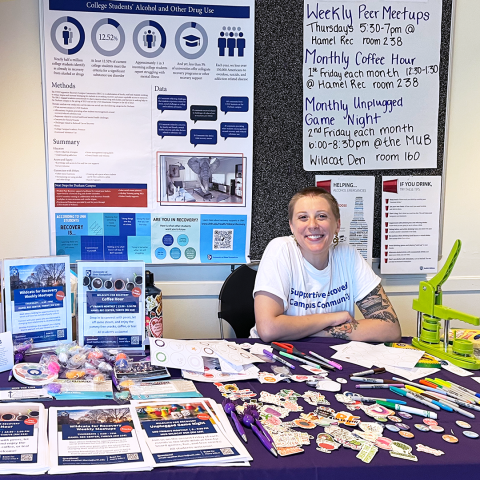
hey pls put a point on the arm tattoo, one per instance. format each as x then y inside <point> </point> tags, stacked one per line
<point>377,305</point>
<point>342,331</point>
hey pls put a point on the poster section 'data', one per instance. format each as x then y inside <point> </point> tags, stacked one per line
<point>355,196</point>
<point>410,224</point>
<point>149,110</point>
<point>371,84</point>
<point>37,300</point>
<point>111,299</point>
<point>95,439</point>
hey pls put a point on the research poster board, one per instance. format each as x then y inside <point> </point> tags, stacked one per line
<point>356,197</point>
<point>371,84</point>
<point>149,121</point>
<point>410,224</point>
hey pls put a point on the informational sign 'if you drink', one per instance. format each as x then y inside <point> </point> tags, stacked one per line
<point>371,84</point>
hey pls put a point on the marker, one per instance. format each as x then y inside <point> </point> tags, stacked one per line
<point>308,362</point>
<point>450,400</point>
<point>330,362</point>
<point>367,372</point>
<point>373,380</point>
<point>423,387</point>
<point>380,385</point>
<point>405,408</point>
<point>430,398</point>
<point>279,359</point>
<point>373,400</point>
<point>414,396</point>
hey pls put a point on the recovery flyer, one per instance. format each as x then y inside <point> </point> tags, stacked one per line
<point>149,119</point>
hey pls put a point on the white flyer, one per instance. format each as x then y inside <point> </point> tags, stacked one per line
<point>95,439</point>
<point>410,226</point>
<point>37,300</point>
<point>111,299</point>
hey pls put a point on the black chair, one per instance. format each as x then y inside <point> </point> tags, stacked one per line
<point>236,301</point>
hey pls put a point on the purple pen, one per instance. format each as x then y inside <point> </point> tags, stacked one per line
<point>238,426</point>
<point>379,385</point>
<point>263,430</point>
<point>266,443</point>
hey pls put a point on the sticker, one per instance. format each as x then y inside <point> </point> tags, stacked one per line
<point>405,415</point>
<point>422,427</point>
<point>315,398</point>
<point>367,452</point>
<point>430,421</point>
<point>392,428</point>
<point>430,450</point>
<point>347,419</point>
<point>340,397</point>
<point>328,385</point>
<point>371,427</point>
<point>463,424</point>
<point>380,419</point>
<point>450,438</point>
<point>300,422</point>
<point>384,443</point>
<point>326,443</point>
<point>436,428</point>
<point>394,419</point>
<point>340,380</point>
<point>406,434</point>
<point>285,451</point>
<point>402,450</point>
<point>470,434</point>
<point>402,426</point>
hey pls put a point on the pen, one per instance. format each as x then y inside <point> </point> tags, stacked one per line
<point>308,362</point>
<point>405,408</point>
<point>414,396</point>
<point>279,359</point>
<point>263,430</point>
<point>423,387</point>
<point>450,400</point>
<point>430,398</point>
<point>455,386</point>
<point>367,372</point>
<point>373,380</point>
<point>379,385</point>
<point>265,442</point>
<point>330,362</point>
<point>238,426</point>
<point>373,400</point>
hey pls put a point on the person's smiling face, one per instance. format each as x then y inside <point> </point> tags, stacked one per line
<point>314,226</point>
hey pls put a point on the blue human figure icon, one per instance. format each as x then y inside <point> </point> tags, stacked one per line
<point>149,38</point>
<point>231,44</point>
<point>240,44</point>
<point>67,35</point>
<point>222,43</point>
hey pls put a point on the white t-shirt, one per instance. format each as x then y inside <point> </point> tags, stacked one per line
<point>285,273</point>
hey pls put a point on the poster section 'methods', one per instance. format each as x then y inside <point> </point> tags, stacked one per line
<point>149,123</point>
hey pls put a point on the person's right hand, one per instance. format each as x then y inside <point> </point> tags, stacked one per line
<point>339,318</point>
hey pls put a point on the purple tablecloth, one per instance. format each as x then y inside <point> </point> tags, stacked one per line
<point>461,460</point>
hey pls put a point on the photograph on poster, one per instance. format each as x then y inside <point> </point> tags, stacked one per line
<point>211,179</point>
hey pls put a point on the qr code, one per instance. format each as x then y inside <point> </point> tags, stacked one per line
<point>222,239</point>
<point>60,333</point>
<point>135,340</point>
<point>226,451</point>
<point>132,456</point>
<point>28,457</point>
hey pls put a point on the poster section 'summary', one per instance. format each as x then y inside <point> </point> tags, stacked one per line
<point>95,439</point>
<point>149,110</point>
<point>410,224</point>
<point>37,299</point>
<point>355,197</point>
<point>111,299</point>
<point>371,84</point>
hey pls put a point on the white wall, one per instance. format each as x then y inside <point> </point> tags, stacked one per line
<point>190,293</point>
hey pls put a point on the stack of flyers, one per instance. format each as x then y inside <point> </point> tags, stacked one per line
<point>189,432</point>
<point>96,439</point>
<point>23,439</point>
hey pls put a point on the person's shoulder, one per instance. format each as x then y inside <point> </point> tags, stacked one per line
<point>344,249</point>
<point>281,243</point>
